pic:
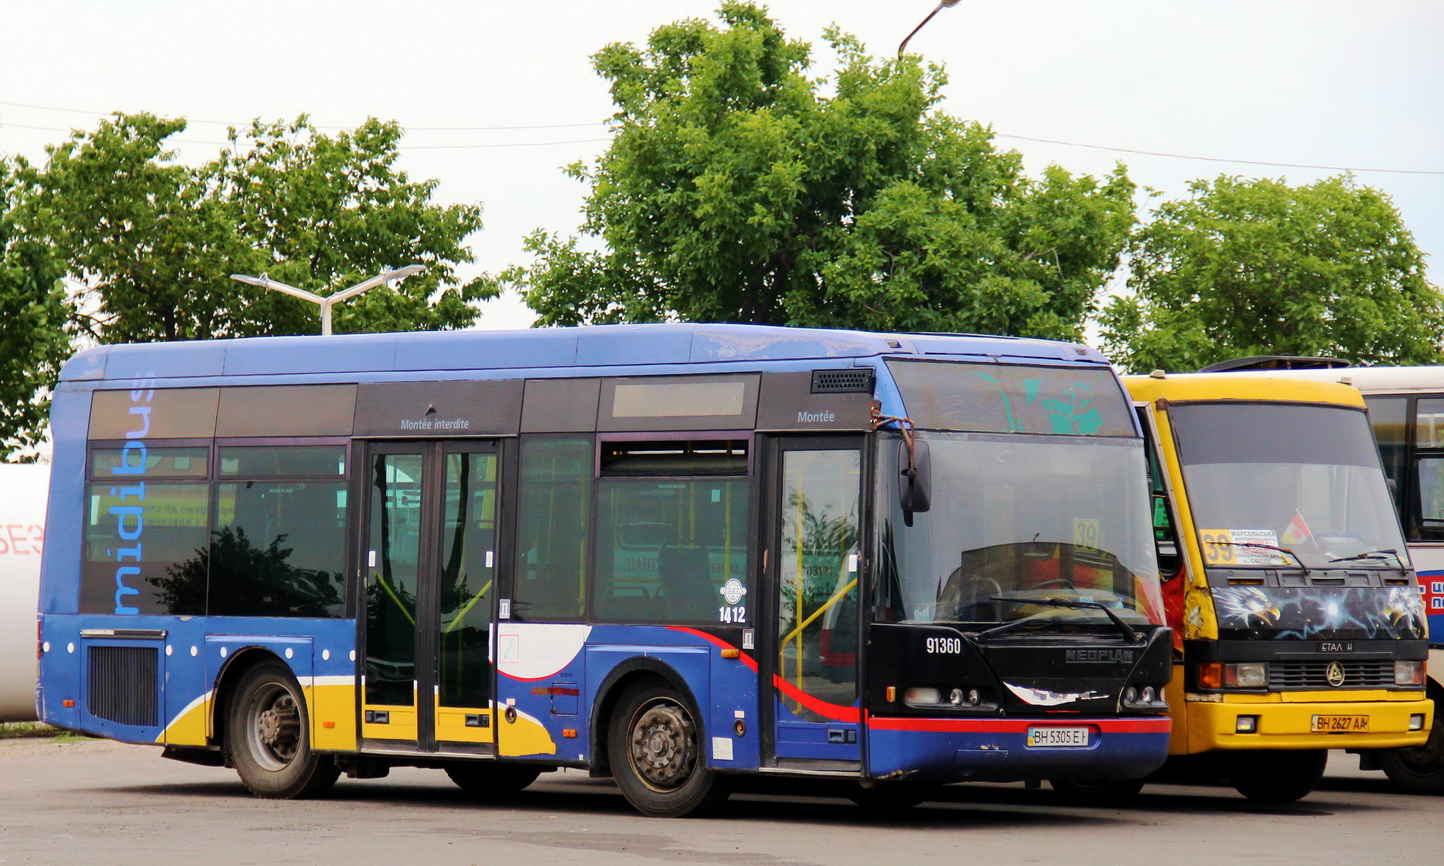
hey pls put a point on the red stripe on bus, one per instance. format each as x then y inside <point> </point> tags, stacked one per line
<point>717,642</point>
<point>836,712</point>
<point>1016,726</point>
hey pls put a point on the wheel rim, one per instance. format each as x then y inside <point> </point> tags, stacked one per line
<point>274,727</point>
<point>663,745</point>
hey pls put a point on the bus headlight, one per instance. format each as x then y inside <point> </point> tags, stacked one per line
<point>922,696</point>
<point>1408,673</point>
<point>1246,675</point>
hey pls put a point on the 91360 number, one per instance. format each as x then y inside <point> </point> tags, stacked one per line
<point>944,645</point>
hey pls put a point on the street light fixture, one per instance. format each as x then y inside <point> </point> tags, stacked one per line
<point>329,301</point>
<point>944,4</point>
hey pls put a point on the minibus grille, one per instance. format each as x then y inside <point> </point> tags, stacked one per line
<point>121,684</point>
<point>1315,675</point>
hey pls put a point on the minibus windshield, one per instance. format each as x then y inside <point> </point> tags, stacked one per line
<point>1293,486</point>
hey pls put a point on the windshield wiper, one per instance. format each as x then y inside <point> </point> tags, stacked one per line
<point>1009,626</point>
<point>1373,554</point>
<point>1076,604</point>
<point>1261,546</point>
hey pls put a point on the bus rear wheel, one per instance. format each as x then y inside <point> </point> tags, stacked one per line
<point>1097,792</point>
<point>655,748</point>
<point>1277,776</point>
<point>491,781</point>
<point>267,732</point>
<point>1419,769</point>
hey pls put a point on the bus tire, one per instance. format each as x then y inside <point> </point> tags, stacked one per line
<point>891,797</point>
<point>656,753</point>
<point>268,734</point>
<point>1277,776</point>
<point>490,781</point>
<point>1419,769</point>
<point>1097,792</point>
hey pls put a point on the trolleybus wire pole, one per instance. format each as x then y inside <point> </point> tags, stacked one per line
<point>326,303</point>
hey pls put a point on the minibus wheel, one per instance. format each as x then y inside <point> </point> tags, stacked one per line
<point>1419,769</point>
<point>488,779</point>
<point>1276,776</point>
<point>655,749</point>
<point>268,734</point>
<point>1096,792</point>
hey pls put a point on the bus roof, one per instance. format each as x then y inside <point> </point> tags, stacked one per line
<point>1378,380</point>
<point>548,348</point>
<point>1269,386</point>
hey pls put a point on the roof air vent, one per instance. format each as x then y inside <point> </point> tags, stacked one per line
<point>853,381</point>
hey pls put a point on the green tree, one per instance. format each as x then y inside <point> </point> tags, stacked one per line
<point>1258,267</point>
<point>151,241</point>
<point>739,189</point>
<point>34,313</point>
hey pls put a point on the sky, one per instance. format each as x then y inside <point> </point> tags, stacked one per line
<point>497,96</point>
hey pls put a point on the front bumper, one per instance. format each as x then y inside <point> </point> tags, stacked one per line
<point>1289,725</point>
<point>958,750</point>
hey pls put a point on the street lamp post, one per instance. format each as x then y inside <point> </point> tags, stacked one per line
<point>944,4</point>
<point>329,301</point>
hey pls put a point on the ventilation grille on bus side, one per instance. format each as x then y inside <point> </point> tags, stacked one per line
<point>842,381</point>
<point>121,685</point>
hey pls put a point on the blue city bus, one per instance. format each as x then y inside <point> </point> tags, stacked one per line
<point>669,554</point>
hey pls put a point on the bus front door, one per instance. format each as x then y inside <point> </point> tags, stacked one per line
<point>815,506</point>
<point>430,566</point>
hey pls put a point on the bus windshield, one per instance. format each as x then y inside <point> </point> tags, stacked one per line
<point>1021,526</point>
<point>1286,485</point>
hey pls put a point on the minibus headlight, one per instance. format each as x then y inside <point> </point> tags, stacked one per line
<point>1408,673</point>
<point>1246,675</point>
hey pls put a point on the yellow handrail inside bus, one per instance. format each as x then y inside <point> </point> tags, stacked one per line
<point>461,614</point>
<point>836,597</point>
<point>394,597</point>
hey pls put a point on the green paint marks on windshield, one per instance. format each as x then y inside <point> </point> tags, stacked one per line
<point>1001,398</point>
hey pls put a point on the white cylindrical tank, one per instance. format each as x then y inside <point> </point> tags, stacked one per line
<point>23,494</point>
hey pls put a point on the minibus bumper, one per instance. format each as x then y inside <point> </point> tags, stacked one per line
<point>1308,724</point>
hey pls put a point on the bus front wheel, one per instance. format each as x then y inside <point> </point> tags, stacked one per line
<point>267,732</point>
<point>1276,776</point>
<point>655,748</point>
<point>1419,769</point>
<point>1097,792</point>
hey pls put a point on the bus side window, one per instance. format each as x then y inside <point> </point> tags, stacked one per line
<point>1389,418</point>
<point>1427,523</point>
<point>1165,538</point>
<point>553,517</point>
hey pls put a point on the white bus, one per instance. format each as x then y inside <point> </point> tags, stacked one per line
<point>22,536</point>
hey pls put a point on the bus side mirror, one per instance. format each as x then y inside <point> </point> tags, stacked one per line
<point>915,470</point>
